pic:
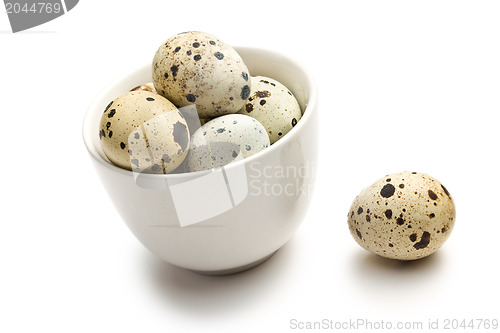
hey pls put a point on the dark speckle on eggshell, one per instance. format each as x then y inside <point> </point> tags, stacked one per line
<point>262,94</point>
<point>424,241</point>
<point>245,92</point>
<point>219,55</point>
<point>387,191</point>
<point>358,233</point>
<point>445,191</point>
<point>108,106</point>
<point>174,70</point>
<point>432,195</point>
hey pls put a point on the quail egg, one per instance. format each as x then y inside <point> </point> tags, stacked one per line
<point>273,105</point>
<point>403,216</point>
<point>145,87</point>
<point>144,132</point>
<point>198,68</point>
<point>224,140</point>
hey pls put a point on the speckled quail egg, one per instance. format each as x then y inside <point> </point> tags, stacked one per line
<point>224,140</point>
<point>144,132</point>
<point>198,68</point>
<point>403,216</point>
<point>145,87</point>
<point>273,105</point>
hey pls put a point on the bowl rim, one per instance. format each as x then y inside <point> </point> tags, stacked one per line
<point>307,114</point>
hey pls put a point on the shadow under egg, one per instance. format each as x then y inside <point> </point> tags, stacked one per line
<point>376,277</point>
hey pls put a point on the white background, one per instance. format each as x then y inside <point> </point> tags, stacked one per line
<point>403,85</point>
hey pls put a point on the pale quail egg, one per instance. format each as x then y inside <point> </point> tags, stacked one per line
<point>403,216</point>
<point>145,87</point>
<point>198,68</point>
<point>224,140</point>
<point>273,105</point>
<point>144,132</point>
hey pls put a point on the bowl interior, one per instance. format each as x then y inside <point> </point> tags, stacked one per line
<point>259,62</point>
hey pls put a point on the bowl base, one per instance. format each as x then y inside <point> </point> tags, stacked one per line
<point>236,269</point>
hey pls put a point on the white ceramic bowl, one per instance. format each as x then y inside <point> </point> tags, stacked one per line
<point>227,219</point>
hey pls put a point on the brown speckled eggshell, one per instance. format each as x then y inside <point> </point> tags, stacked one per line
<point>144,132</point>
<point>198,68</point>
<point>273,105</point>
<point>225,140</point>
<point>403,216</point>
<point>145,87</point>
